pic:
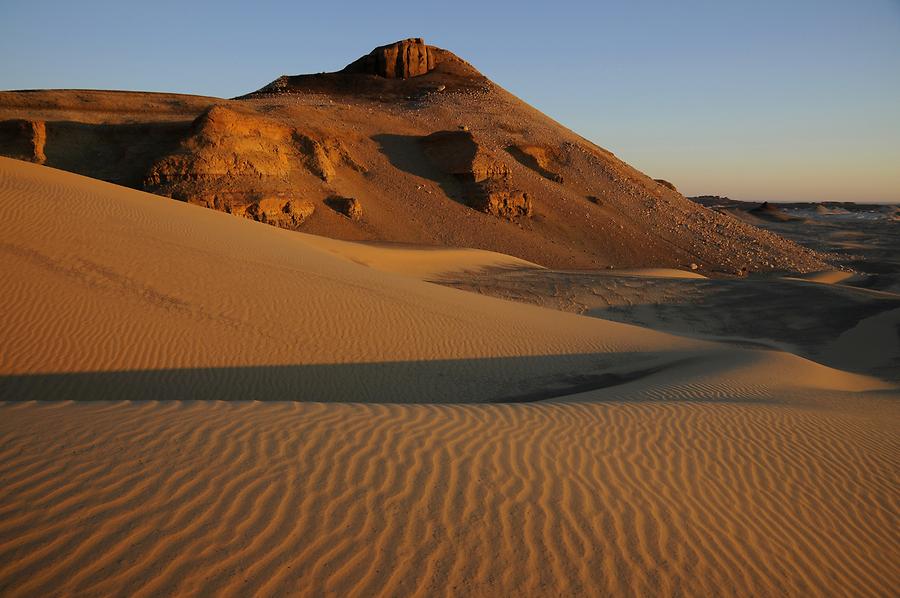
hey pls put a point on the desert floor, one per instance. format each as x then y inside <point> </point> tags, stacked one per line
<point>194,403</point>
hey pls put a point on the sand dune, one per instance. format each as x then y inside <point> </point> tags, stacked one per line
<point>612,459</point>
<point>112,280</point>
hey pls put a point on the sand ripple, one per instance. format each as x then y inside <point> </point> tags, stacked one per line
<point>564,499</point>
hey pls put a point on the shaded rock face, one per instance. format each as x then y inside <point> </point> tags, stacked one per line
<point>486,181</point>
<point>400,60</point>
<point>347,206</point>
<point>23,140</point>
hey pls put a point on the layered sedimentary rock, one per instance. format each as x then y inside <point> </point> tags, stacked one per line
<point>400,60</point>
<point>246,164</point>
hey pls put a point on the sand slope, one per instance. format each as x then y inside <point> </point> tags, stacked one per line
<point>627,462</point>
<point>110,280</point>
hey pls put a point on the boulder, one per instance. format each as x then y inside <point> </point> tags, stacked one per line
<point>504,202</point>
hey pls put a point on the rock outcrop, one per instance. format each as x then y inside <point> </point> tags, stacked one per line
<point>485,180</point>
<point>232,158</point>
<point>503,202</point>
<point>400,60</point>
<point>285,213</point>
<point>346,206</point>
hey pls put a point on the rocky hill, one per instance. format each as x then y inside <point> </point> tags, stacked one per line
<point>408,143</point>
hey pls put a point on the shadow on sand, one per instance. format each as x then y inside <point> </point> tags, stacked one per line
<point>488,380</point>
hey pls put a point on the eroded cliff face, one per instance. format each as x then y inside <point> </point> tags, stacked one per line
<point>400,60</point>
<point>247,164</point>
<point>23,140</point>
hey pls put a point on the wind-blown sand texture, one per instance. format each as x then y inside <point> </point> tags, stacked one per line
<point>592,457</point>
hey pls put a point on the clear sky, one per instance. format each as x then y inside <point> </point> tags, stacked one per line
<point>778,100</point>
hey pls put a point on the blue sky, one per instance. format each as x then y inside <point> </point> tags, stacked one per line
<point>789,100</point>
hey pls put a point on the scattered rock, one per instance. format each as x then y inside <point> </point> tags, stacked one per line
<point>694,266</point>
<point>348,206</point>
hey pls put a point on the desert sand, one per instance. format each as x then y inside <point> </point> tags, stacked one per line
<point>196,403</point>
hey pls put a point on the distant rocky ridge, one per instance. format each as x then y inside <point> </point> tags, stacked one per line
<point>796,211</point>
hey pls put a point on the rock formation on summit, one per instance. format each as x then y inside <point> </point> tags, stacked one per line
<point>400,60</point>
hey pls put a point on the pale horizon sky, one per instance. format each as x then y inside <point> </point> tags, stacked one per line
<point>778,101</point>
